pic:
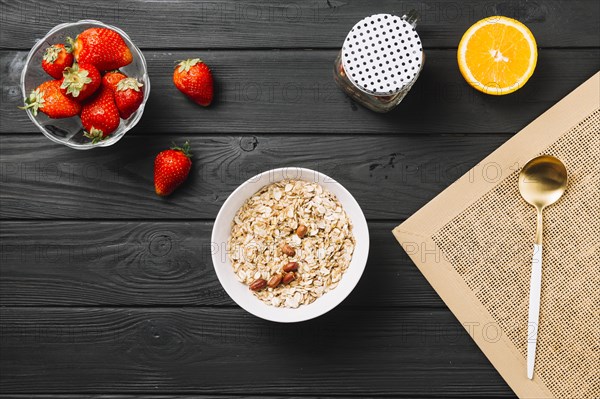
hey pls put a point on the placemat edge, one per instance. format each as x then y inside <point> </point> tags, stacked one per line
<point>545,129</point>
<point>502,358</point>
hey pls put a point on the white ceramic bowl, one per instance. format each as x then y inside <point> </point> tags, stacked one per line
<point>69,131</point>
<point>241,294</point>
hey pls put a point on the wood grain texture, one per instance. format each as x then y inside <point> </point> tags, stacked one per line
<point>108,291</point>
<point>51,263</point>
<point>41,179</point>
<point>292,24</point>
<point>294,92</point>
<point>150,396</point>
<point>167,396</point>
<point>160,396</point>
<point>163,396</point>
<point>402,353</point>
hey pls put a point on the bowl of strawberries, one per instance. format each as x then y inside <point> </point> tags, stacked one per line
<point>85,84</point>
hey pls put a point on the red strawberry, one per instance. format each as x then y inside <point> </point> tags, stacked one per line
<point>100,116</point>
<point>48,98</point>
<point>128,96</point>
<point>80,81</point>
<point>110,79</point>
<point>56,58</point>
<point>171,168</point>
<point>103,48</point>
<point>193,78</point>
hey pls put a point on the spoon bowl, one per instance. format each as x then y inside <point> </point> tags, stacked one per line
<point>542,181</point>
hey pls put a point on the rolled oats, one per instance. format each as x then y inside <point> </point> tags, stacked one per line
<point>268,222</point>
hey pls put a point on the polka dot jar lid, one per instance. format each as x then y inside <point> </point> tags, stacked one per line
<point>382,54</point>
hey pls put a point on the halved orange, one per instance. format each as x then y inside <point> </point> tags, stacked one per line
<point>497,55</point>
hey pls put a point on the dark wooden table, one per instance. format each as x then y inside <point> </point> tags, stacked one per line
<point>107,289</point>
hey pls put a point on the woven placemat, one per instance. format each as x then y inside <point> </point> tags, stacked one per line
<point>474,244</point>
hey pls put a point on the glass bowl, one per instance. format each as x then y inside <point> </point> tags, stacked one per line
<point>69,131</point>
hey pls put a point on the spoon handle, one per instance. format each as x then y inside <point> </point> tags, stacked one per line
<point>535,288</point>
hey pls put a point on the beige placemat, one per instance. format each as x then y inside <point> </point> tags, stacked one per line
<point>474,243</point>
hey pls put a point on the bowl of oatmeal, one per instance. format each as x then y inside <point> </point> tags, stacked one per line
<point>290,244</point>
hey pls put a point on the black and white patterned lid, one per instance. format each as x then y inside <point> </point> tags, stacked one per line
<point>382,54</point>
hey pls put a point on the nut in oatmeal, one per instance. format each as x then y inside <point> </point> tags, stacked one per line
<point>288,250</point>
<point>288,278</point>
<point>301,231</point>
<point>258,284</point>
<point>275,280</point>
<point>290,267</point>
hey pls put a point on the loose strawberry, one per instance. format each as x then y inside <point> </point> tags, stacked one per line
<point>103,48</point>
<point>100,116</point>
<point>48,98</point>
<point>112,78</point>
<point>193,78</point>
<point>171,168</point>
<point>80,81</point>
<point>128,96</point>
<point>56,58</point>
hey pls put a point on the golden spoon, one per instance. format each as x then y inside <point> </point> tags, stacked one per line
<point>542,182</point>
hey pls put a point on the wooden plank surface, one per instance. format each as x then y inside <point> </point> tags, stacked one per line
<point>51,263</point>
<point>45,180</point>
<point>294,92</point>
<point>408,353</point>
<point>159,396</point>
<point>150,396</point>
<point>108,290</point>
<point>292,24</point>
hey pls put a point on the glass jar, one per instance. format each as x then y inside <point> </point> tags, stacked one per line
<point>380,60</point>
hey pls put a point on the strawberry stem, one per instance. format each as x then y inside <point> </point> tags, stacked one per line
<point>185,65</point>
<point>51,54</point>
<point>75,79</point>
<point>71,44</point>
<point>95,134</point>
<point>35,101</point>
<point>129,83</point>
<point>185,148</point>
